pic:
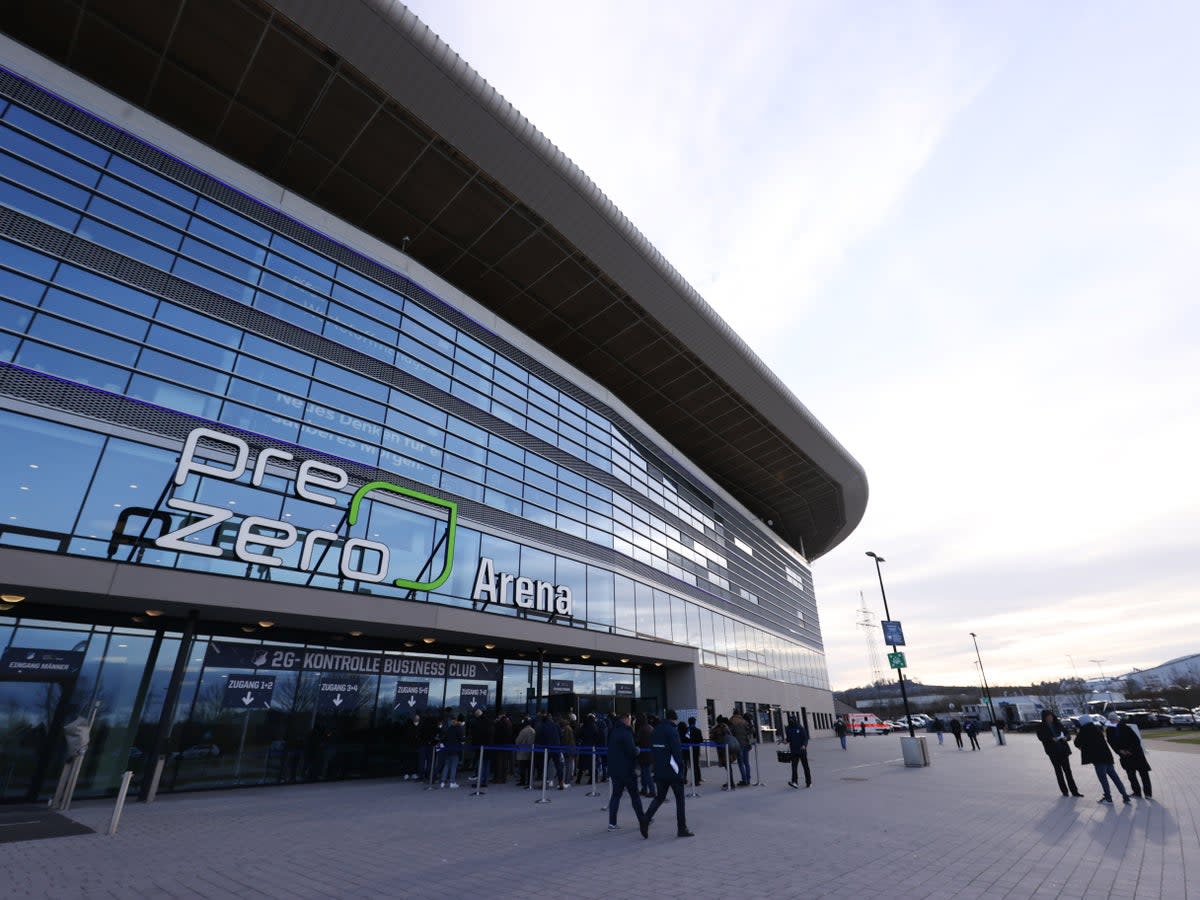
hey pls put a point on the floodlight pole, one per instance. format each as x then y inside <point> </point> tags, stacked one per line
<point>912,733</point>
<point>988,693</point>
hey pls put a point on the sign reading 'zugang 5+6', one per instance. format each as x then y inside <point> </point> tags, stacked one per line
<point>261,540</point>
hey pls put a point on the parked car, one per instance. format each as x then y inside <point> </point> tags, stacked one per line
<point>1182,718</point>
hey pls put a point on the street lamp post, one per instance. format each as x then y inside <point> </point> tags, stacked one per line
<point>899,672</point>
<point>987,692</point>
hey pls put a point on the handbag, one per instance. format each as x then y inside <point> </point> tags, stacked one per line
<point>785,756</point>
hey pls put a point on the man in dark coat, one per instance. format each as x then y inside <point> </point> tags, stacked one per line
<point>1054,740</point>
<point>502,736</point>
<point>956,730</point>
<point>589,736</point>
<point>695,737</point>
<point>622,770</point>
<point>548,735</point>
<point>1093,750</point>
<point>797,736</point>
<point>668,771</point>
<point>1127,744</point>
<point>483,734</point>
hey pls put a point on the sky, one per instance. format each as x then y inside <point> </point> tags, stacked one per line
<point>964,235</point>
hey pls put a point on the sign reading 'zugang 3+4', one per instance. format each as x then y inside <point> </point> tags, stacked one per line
<point>270,542</point>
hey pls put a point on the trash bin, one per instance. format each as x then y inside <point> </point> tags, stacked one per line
<point>915,751</point>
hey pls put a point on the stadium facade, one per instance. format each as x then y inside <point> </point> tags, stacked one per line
<point>330,391</point>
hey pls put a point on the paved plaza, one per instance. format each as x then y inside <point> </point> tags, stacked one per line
<point>974,824</point>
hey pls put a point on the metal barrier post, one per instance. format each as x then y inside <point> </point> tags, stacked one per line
<point>729,764</point>
<point>758,782</point>
<point>478,792</point>
<point>532,762</point>
<point>432,768</point>
<point>156,777</point>
<point>692,760</point>
<point>593,792</point>
<point>119,808</point>
<point>545,772</point>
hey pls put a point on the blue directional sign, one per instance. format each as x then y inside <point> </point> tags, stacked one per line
<point>412,696</point>
<point>473,696</point>
<point>337,694</point>
<point>561,686</point>
<point>248,692</point>
<point>624,688</point>
<point>892,633</point>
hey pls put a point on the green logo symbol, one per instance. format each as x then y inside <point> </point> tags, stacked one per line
<point>896,660</point>
<point>451,526</point>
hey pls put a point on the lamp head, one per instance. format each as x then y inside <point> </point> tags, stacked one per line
<point>875,556</point>
<point>972,634</point>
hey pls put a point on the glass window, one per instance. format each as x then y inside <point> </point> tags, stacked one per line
<point>120,242</point>
<point>67,334</point>
<point>265,374</point>
<point>194,348</point>
<point>183,372</point>
<point>290,359</point>
<point>363,285</point>
<point>89,284</point>
<point>414,407</point>
<point>13,315</point>
<point>95,315</point>
<point>260,422</point>
<point>351,381</point>
<point>265,397</point>
<point>27,261</point>
<point>56,136</point>
<point>150,204</point>
<point>412,447</point>
<point>173,396</point>
<point>298,295</point>
<point>215,281</point>
<point>339,445</point>
<point>236,225</point>
<point>46,183</point>
<point>38,207</point>
<point>303,255</point>
<point>472,490</point>
<point>156,185</point>
<point>65,364</point>
<point>599,596</point>
<point>624,606</point>
<point>46,468</point>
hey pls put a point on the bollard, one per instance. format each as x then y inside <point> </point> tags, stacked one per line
<point>478,792</point>
<point>593,792</point>
<point>432,768</point>
<point>758,782</point>
<point>120,807</point>
<point>545,772</point>
<point>694,771</point>
<point>156,777</point>
<point>729,764</point>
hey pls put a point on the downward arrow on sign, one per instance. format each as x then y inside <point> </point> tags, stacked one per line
<point>337,701</point>
<point>412,701</point>
<point>472,703</point>
<point>248,699</point>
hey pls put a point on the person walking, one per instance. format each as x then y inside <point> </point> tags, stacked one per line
<point>939,728</point>
<point>622,772</point>
<point>1126,741</point>
<point>548,735</point>
<point>668,773</point>
<point>1058,748</point>
<point>797,737</point>
<point>972,730</point>
<point>956,730</point>
<point>1093,750</point>
<point>695,737</point>
<point>741,731</point>
<point>839,728</point>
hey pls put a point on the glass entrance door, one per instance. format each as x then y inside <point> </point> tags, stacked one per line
<point>29,718</point>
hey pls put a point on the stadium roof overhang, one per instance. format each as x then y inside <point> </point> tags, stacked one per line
<point>360,108</point>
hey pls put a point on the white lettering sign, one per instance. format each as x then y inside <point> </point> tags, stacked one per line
<point>518,590</point>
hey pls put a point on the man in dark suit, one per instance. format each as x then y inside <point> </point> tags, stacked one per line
<point>622,762</point>
<point>668,771</point>
<point>797,736</point>
<point>695,737</point>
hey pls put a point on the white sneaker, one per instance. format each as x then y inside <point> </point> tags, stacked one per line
<point>453,785</point>
<point>443,784</point>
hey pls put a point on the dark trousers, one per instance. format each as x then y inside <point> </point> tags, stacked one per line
<point>1062,771</point>
<point>620,786</point>
<point>958,739</point>
<point>801,758</point>
<point>974,740</point>
<point>676,786</point>
<point>1133,772</point>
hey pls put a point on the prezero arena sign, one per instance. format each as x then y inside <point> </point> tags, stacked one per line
<point>259,540</point>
